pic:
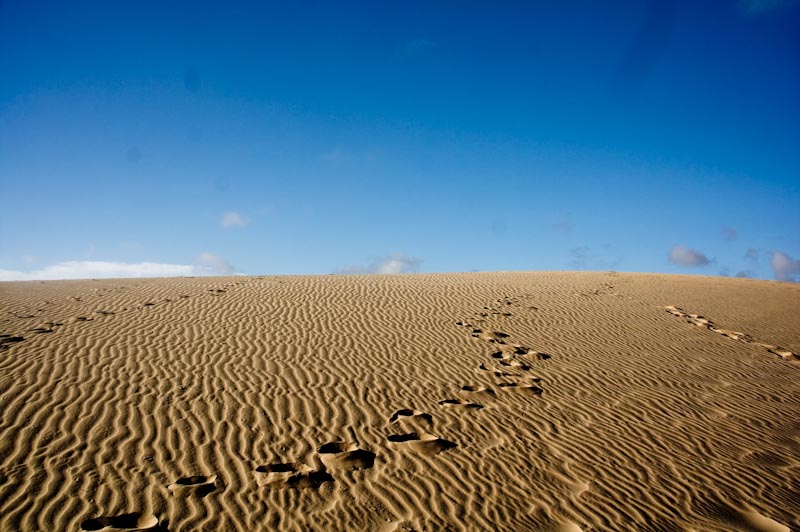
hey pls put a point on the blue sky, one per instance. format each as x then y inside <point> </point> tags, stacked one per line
<point>147,138</point>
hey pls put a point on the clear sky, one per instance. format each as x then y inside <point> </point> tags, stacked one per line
<point>177,138</point>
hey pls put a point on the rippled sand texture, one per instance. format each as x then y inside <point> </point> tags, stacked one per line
<point>480,401</point>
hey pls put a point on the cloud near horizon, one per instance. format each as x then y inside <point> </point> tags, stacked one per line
<point>206,264</point>
<point>395,263</point>
<point>785,268</point>
<point>683,256</point>
<point>233,219</point>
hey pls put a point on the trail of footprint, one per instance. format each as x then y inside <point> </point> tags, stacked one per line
<point>423,443</point>
<point>477,391</point>
<point>197,485</point>
<point>291,475</point>
<point>703,322</point>
<point>131,521</point>
<point>459,403</point>
<point>345,456</point>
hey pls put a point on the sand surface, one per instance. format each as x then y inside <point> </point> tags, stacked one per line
<point>480,401</point>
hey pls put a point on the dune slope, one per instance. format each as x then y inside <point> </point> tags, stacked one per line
<point>481,401</point>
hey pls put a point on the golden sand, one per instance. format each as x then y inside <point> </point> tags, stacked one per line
<point>479,401</point>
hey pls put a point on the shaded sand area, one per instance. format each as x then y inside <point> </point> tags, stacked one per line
<point>480,401</point>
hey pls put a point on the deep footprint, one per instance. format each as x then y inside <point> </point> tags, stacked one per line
<point>423,443</point>
<point>459,403</point>
<point>409,414</point>
<point>345,456</point>
<point>198,485</point>
<point>131,521</point>
<point>477,390</point>
<point>522,387</point>
<point>291,475</point>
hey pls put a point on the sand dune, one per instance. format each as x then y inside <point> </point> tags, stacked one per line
<point>485,401</point>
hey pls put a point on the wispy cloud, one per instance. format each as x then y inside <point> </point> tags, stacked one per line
<point>206,264</point>
<point>230,220</point>
<point>751,254</point>
<point>754,7</point>
<point>730,233</point>
<point>683,256</point>
<point>784,267</point>
<point>395,263</point>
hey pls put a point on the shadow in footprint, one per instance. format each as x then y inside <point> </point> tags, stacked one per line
<point>522,387</point>
<point>198,485</point>
<point>477,390</point>
<point>409,414</point>
<point>345,456</point>
<point>460,404</point>
<point>495,371</point>
<point>6,339</point>
<point>131,521</point>
<point>423,443</point>
<point>291,475</point>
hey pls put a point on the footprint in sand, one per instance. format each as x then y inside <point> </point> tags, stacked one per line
<point>131,521</point>
<point>423,443</point>
<point>493,337</point>
<point>495,371</point>
<point>6,340</point>
<point>477,391</point>
<point>515,364</point>
<point>345,456</point>
<point>458,403</point>
<point>530,353</point>
<point>411,415</point>
<point>291,475</point>
<point>197,485</point>
<point>521,387</point>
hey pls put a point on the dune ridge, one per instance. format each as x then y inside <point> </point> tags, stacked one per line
<point>552,401</point>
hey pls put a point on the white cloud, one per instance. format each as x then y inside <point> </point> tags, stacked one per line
<point>232,219</point>
<point>395,263</point>
<point>785,268</point>
<point>753,7</point>
<point>207,264</point>
<point>210,264</point>
<point>684,256</point>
